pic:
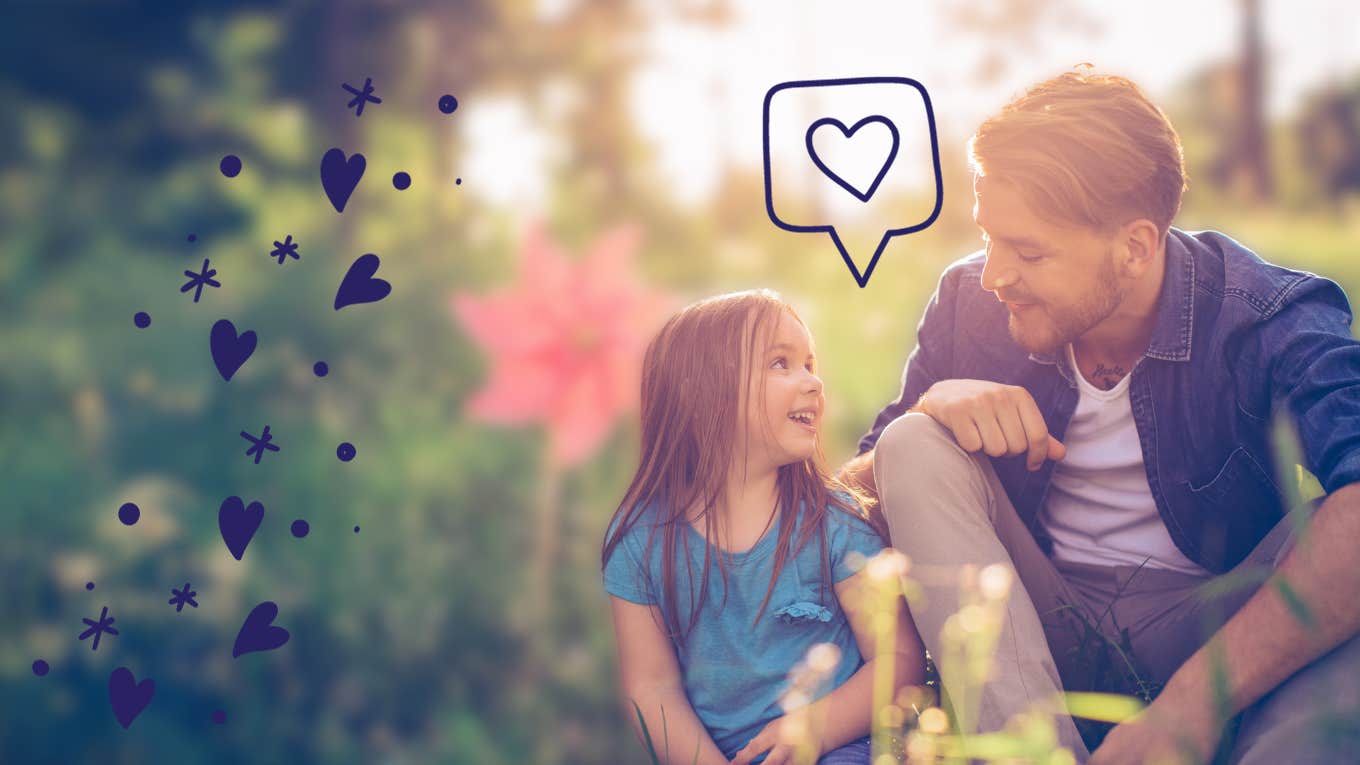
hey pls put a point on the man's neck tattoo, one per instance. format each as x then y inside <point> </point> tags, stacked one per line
<point>1107,377</point>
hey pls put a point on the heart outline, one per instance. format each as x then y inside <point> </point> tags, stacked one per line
<point>128,697</point>
<point>230,350</point>
<point>360,285</point>
<point>237,522</point>
<point>258,632</point>
<point>341,176</point>
<point>849,133</point>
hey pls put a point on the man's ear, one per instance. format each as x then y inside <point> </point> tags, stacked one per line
<point>1139,242</point>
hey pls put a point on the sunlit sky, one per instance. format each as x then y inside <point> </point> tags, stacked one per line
<point>698,96</point>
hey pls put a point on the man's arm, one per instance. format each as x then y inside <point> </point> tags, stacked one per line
<point>1261,645</point>
<point>1309,604</point>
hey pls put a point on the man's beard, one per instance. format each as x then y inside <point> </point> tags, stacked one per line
<point>1052,328</point>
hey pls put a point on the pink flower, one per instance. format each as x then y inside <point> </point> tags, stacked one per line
<point>565,341</point>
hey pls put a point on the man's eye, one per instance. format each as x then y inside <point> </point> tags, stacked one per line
<point>1025,258</point>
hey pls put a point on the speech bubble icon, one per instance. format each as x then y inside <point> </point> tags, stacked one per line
<point>856,154</point>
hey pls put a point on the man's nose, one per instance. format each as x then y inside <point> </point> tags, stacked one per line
<point>997,273</point>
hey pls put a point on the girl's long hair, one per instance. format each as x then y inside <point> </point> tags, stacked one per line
<point>696,373</point>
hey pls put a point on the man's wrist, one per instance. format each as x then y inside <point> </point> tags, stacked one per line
<point>1190,694</point>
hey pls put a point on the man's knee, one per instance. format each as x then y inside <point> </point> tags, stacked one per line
<point>910,435</point>
<point>918,466</point>
<point>1291,723</point>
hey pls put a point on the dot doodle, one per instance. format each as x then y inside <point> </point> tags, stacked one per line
<point>401,181</point>
<point>142,319</point>
<point>345,451</point>
<point>321,369</point>
<point>230,166</point>
<point>40,668</point>
<point>300,528</point>
<point>447,103</point>
<point>129,513</point>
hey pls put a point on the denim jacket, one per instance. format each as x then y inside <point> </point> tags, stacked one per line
<point>1235,340</point>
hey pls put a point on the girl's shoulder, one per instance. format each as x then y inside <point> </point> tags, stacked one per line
<point>850,537</point>
<point>641,521</point>
<point>844,512</point>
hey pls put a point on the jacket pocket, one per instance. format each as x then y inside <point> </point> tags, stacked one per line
<point>1231,510</point>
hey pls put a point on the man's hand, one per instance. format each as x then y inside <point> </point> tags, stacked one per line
<point>1166,732</point>
<point>1001,420</point>
<point>783,737</point>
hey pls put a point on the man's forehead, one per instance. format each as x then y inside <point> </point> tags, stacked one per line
<point>1001,211</point>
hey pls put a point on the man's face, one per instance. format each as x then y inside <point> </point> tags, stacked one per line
<point>1058,282</point>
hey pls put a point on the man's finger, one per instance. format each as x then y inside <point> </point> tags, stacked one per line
<point>966,433</point>
<point>1036,433</point>
<point>993,442</point>
<point>1008,418</point>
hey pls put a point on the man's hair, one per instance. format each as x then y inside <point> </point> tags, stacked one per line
<point>1085,149</point>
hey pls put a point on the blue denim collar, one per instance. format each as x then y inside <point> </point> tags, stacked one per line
<point>1172,333</point>
<point>1175,325</point>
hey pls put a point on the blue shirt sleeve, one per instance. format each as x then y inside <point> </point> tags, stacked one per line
<point>625,573</point>
<point>847,535</point>
<point>929,362</point>
<point>1315,374</point>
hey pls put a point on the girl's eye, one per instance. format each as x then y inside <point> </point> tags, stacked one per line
<point>1029,258</point>
<point>780,363</point>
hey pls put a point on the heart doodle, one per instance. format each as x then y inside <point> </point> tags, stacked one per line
<point>127,696</point>
<point>229,350</point>
<point>238,523</point>
<point>258,632</point>
<point>847,135</point>
<point>340,176</point>
<point>360,285</point>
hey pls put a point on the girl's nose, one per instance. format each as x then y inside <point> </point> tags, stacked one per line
<point>813,383</point>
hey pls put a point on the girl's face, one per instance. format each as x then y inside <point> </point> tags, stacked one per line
<point>784,410</point>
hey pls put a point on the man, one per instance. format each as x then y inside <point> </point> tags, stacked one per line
<point>1090,402</point>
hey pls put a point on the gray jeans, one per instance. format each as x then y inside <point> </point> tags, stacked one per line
<point>1080,627</point>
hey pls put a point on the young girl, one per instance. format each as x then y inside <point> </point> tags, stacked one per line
<point>729,556</point>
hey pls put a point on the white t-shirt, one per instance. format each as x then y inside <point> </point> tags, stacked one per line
<point>1099,508</point>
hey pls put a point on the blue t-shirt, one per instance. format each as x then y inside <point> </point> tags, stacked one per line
<point>734,673</point>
